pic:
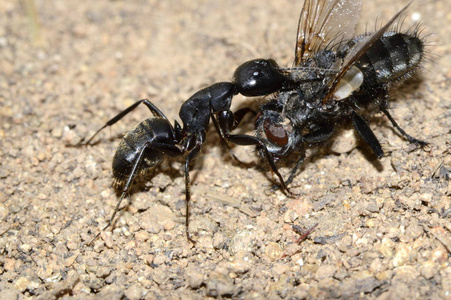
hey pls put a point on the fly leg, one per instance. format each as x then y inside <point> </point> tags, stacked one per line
<point>410,138</point>
<point>367,134</point>
<point>320,135</point>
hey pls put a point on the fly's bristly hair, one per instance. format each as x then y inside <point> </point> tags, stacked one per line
<point>416,30</point>
<point>338,78</point>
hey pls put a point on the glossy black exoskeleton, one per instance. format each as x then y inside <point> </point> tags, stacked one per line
<point>145,146</point>
<point>336,78</point>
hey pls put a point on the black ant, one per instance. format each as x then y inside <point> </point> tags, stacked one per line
<point>145,146</point>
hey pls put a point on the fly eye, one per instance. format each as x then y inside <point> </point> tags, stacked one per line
<point>275,133</point>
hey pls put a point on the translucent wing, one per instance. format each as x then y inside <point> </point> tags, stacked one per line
<point>322,21</point>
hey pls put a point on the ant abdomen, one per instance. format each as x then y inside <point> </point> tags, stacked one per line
<point>147,133</point>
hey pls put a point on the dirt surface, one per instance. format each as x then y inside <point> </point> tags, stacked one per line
<point>384,227</point>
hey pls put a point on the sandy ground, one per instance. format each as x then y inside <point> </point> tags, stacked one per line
<point>384,226</point>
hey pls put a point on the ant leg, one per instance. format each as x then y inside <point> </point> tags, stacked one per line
<point>248,140</point>
<point>125,191</point>
<point>237,118</point>
<point>154,110</point>
<point>403,133</point>
<point>168,149</point>
<point>367,134</point>
<point>191,155</point>
<point>225,119</point>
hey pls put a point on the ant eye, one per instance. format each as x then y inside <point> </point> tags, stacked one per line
<point>275,133</point>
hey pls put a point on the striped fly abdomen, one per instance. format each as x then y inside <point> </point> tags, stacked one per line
<point>393,57</point>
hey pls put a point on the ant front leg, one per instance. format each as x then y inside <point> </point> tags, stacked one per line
<point>225,121</point>
<point>153,109</point>
<point>238,117</point>
<point>240,114</point>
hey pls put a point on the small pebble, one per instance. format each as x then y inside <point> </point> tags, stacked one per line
<point>219,285</point>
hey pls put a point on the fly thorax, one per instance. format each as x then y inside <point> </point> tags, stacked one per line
<point>350,82</point>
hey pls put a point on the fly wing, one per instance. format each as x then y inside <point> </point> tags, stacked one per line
<point>322,21</point>
<point>359,49</point>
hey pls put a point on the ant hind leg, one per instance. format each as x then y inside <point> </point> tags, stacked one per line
<point>154,110</point>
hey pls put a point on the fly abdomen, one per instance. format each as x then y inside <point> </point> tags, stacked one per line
<point>390,58</point>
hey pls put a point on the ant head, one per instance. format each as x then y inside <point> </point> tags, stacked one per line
<point>258,77</point>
